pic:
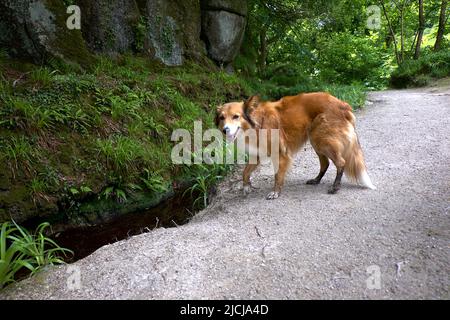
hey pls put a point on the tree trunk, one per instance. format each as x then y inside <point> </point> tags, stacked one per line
<point>397,56</point>
<point>262,59</point>
<point>402,33</point>
<point>413,44</point>
<point>441,29</point>
<point>420,31</point>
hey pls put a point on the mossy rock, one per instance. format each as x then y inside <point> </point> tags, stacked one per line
<point>99,210</point>
<point>223,33</point>
<point>172,30</point>
<point>37,30</point>
<point>109,25</point>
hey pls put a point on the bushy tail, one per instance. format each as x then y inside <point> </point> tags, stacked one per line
<point>355,167</point>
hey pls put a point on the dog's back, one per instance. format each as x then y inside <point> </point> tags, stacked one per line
<point>297,113</point>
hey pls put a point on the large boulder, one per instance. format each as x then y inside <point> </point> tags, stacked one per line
<point>223,27</point>
<point>109,26</point>
<point>37,30</point>
<point>172,29</point>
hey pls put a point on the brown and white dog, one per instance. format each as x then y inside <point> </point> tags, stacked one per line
<point>326,121</point>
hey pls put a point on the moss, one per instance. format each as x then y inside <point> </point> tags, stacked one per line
<point>69,44</point>
<point>101,209</point>
<point>4,215</point>
<point>17,202</point>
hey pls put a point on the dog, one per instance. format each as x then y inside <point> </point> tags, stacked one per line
<point>327,122</point>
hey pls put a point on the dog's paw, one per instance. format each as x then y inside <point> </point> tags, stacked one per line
<point>312,182</point>
<point>247,189</point>
<point>253,187</point>
<point>333,190</point>
<point>272,195</point>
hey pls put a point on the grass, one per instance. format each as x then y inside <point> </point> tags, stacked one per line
<point>204,177</point>
<point>19,153</point>
<point>42,76</point>
<point>121,153</point>
<point>38,189</point>
<point>20,249</point>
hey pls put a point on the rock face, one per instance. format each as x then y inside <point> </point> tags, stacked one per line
<point>36,30</point>
<point>172,29</point>
<point>109,26</point>
<point>223,27</point>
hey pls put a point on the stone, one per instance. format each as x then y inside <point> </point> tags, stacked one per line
<point>108,26</point>
<point>223,32</point>
<point>36,30</point>
<point>173,30</point>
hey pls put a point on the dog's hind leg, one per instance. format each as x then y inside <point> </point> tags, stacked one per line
<point>324,164</point>
<point>339,162</point>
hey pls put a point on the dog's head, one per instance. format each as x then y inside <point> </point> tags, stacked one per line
<point>233,117</point>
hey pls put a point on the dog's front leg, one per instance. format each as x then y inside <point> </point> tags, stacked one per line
<point>284,164</point>
<point>249,168</point>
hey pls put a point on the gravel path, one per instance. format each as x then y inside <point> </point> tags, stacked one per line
<point>391,243</point>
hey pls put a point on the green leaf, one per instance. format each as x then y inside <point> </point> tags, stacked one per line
<point>85,189</point>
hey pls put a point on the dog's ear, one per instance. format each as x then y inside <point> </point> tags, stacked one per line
<point>216,119</point>
<point>252,102</point>
<point>249,106</point>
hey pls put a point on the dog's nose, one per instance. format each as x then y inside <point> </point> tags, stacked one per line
<point>225,130</point>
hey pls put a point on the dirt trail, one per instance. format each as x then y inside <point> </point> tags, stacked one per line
<point>307,243</point>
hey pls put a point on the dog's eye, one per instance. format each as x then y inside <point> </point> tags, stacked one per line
<point>235,117</point>
<point>221,118</point>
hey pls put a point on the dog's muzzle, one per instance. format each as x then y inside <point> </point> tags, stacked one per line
<point>231,133</point>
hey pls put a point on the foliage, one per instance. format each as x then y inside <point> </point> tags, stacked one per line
<point>121,153</point>
<point>417,73</point>
<point>20,249</point>
<point>204,177</point>
<point>154,182</point>
<point>346,58</point>
<point>116,192</point>
<point>313,44</point>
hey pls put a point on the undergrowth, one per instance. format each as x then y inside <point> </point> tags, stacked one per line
<point>108,129</point>
<point>420,72</point>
